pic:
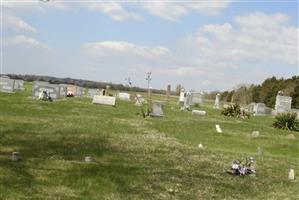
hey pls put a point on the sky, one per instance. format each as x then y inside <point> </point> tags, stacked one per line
<point>202,45</point>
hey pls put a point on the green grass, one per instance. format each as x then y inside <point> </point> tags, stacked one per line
<point>135,157</point>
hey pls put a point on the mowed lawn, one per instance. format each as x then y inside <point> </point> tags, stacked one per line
<point>136,157</point>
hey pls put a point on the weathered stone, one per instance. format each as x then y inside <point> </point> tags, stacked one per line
<point>157,109</point>
<point>7,85</point>
<point>104,100</point>
<point>199,112</point>
<point>52,89</point>
<point>124,96</point>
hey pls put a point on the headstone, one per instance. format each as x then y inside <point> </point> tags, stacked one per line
<point>199,112</point>
<point>255,134</point>
<point>7,85</point>
<point>187,100</point>
<point>19,85</point>
<point>63,90</point>
<point>79,91</point>
<point>196,98</point>
<point>218,128</point>
<point>182,96</point>
<point>259,109</point>
<point>260,152</point>
<point>107,90</point>
<point>251,107</point>
<point>15,156</point>
<point>52,89</point>
<point>217,101</point>
<point>157,109</point>
<point>124,96</point>
<point>168,92</point>
<point>291,174</point>
<point>200,146</point>
<point>104,100</point>
<point>282,104</point>
<point>88,159</point>
<point>92,92</point>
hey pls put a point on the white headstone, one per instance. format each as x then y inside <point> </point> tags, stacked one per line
<point>199,112</point>
<point>104,100</point>
<point>196,98</point>
<point>218,128</point>
<point>7,85</point>
<point>88,158</point>
<point>259,109</point>
<point>124,96</point>
<point>217,101</point>
<point>19,85</point>
<point>200,146</point>
<point>291,174</point>
<point>255,133</point>
<point>283,104</point>
<point>182,96</point>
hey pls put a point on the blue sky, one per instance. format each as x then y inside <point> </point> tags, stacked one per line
<point>203,45</point>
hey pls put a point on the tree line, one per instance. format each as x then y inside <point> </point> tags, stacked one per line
<point>265,92</point>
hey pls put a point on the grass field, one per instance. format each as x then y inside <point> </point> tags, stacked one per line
<point>135,157</point>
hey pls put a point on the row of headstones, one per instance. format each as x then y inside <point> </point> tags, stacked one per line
<point>9,85</point>
<point>188,99</point>
<point>282,105</point>
<point>55,91</point>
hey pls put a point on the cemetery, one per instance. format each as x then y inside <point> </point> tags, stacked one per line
<point>101,148</point>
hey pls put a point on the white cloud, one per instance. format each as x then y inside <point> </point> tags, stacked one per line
<point>11,22</point>
<point>122,48</point>
<point>114,10</point>
<point>22,40</point>
<point>173,11</point>
<point>254,38</point>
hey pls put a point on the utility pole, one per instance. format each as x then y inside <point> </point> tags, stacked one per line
<point>148,78</point>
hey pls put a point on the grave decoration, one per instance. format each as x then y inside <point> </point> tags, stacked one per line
<point>239,169</point>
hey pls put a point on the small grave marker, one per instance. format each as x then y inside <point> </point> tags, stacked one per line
<point>15,156</point>
<point>88,159</point>
<point>199,112</point>
<point>255,134</point>
<point>124,96</point>
<point>218,128</point>
<point>291,174</point>
<point>200,146</point>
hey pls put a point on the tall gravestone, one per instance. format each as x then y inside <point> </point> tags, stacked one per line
<point>182,96</point>
<point>282,103</point>
<point>107,90</point>
<point>217,101</point>
<point>52,89</point>
<point>7,85</point>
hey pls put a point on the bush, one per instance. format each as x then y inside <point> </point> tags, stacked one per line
<point>286,121</point>
<point>234,110</point>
